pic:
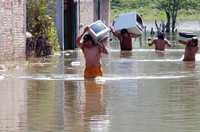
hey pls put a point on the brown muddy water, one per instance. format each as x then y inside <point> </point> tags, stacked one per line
<point>141,91</point>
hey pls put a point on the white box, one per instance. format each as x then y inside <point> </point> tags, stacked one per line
<point>98,30</point>
<point>130,21</point>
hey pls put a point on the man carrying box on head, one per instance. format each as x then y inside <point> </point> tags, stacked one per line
<point>92,51</point>
<point>125,38</point>
<point>92,41</point>
<point>127,26</point>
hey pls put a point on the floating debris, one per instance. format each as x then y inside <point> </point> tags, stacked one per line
<point>3,68</point>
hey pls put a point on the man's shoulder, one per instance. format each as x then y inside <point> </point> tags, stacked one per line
<point>166,41</point>
<point>155,40</point>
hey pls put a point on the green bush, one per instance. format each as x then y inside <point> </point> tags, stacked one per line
<point>40,22</point>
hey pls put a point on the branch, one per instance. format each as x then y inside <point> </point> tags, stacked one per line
<point>158,29</point>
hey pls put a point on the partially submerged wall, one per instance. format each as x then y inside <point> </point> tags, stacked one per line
<point>12,29</point>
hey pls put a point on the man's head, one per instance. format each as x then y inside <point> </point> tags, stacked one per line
<point>161,35</point>
<point>194,42</point>
<point>88,38</point>
<point>124,31</point>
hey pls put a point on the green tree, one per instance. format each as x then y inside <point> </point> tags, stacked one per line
<point>171,9</point>
<point>41,20</point>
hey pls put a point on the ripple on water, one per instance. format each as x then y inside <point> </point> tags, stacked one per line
<point>100,79</point>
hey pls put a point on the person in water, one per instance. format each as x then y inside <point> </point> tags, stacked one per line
<point>125,38</point>
<point>92,52</point>
<point>160,42</point>
<point>191,48</point>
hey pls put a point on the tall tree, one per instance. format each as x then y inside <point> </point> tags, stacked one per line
<point>171,9</point>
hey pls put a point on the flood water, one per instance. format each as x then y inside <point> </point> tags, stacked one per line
<point>141,91</point>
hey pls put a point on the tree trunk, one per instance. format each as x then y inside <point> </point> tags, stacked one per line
<point>176,4</point>
<point>174,16</point>
<point>168,21</point>
<point>173,23</point>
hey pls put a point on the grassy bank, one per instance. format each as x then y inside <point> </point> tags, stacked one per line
<point>149,14</point>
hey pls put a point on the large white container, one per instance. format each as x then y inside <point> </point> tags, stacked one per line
<point>130,21</point>
<point>98,30</point>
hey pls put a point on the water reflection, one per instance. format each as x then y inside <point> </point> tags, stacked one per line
<point>181,109</point>
<point>13,105</point>
<point>160,53</point>
<point>95,107</point>
<point>87,105</point>
<point>43,108</point>
<point>126,54</point>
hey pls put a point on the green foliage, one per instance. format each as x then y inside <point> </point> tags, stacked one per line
<point>40,20</point>
<point>52,36</point>
<point>172,9</point>
<point>154,9</point>
<point>189,14</point>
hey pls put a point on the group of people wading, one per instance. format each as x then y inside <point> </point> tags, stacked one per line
<point>92,50</point>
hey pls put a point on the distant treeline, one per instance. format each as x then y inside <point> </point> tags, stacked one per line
<point>167,10</point>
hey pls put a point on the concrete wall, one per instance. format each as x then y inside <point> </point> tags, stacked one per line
<point>86,12</point>
<point>13,28</point>
<point>60,21</point>
<point>89,11</point>
<point>105,11</point>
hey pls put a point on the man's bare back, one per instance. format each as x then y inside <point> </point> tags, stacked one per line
<point>160,44</point>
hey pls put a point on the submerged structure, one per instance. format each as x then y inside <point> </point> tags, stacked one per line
<point>13,28</point>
